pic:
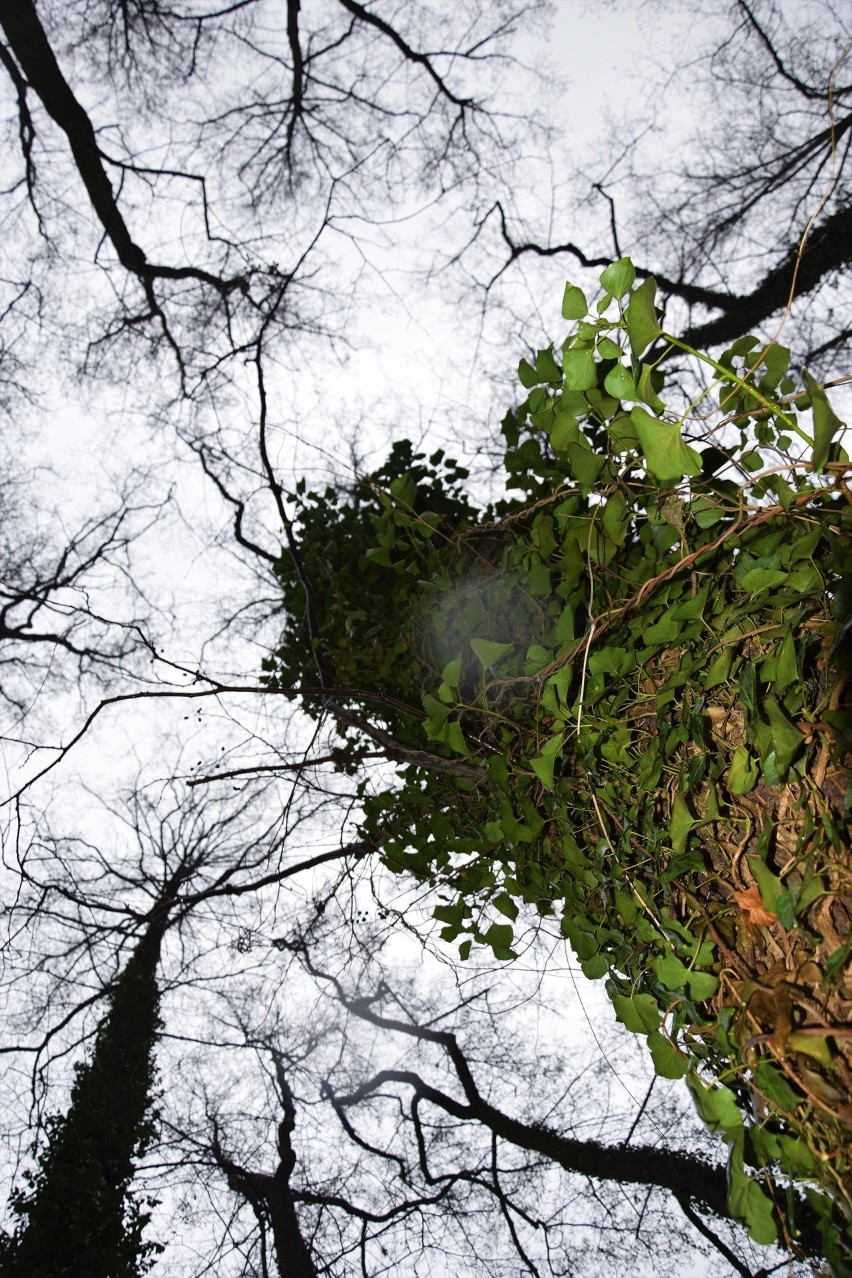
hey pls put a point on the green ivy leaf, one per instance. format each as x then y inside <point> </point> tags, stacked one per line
<point>642,326</point>
<point>719,669</point>
<point>452,914</point>
<point>645,387</point>
<point>758,580</point>
<point>769,1080</point>
<point>748,687</point>
<point>527,375</point>
<point>552,748</point>
<point>574,304</point>
<point>584,943</point>
<point>500,936</point>
<point>455,738</point>
<point>564,431</point>
<point>580,369</point>
<point>716,1105</point>
<point>436,718</point>
<point>622,432</point>
<point>785,910</point>
<point>835,962</point>
<point>692,607</point>
<point>776,360</point>
<point>584,464</point>
<point>595,967</point>
<point>664,631</point>
<point>620,384</point>
<point>702,985</point>
<point>614,520</point>
<point>684,864</point>
<point>638,1012</point>
<point>787,667</point>
<point>618,278</point>
<point>670,971</point>
<point>706,512</point>
<point>827,425</point>
<point>506,906</point>
<point>747,1200</point>
<point>778,740</point>
<point>769,883</point>
<point>537,658</point>
<point>451,672</point>
<point>668,1061</point>
<point>667,456</point>
<point>813,1045</point>
<point>681,823</point>
<point>614,661</point>
<point>608,349</point>
<point>543,768</point>
<point>743,774</point>
<point>546,367</point>
<point>790,1151</point>
<point>488,652</point>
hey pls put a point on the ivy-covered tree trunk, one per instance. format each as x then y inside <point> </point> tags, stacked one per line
<point>643,659</point>
<point>77,1217</point>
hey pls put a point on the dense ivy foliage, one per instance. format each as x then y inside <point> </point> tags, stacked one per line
<point>642,655</point>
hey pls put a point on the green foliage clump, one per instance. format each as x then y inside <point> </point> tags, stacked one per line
<point>641,657</point>
<point>347,539</point>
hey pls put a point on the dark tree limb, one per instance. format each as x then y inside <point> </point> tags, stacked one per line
<point>829,248</point>
<point>37,61</point>
<point>237,504</point>
<point>369,18</point>
<point>682,1175</point>
<point>298,94</point>
<point>703,1228</point>
<point>270,1194</point>
<point>695,294</point>
<point>26,129</point>
<point>807,90</point>
<point>662,1168</point>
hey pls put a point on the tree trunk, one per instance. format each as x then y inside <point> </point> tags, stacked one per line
<point>77,1220</point>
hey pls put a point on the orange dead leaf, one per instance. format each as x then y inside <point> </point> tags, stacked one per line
<point>752,905</point>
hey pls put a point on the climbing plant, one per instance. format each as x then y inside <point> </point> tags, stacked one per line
<point>78,1214</point>
<point>625,684</point>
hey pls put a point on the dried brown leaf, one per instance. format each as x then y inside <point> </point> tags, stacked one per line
<point>751,904</point>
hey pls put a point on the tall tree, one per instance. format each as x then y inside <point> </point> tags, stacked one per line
<point>84,906</point>
<point>77,1215</point>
